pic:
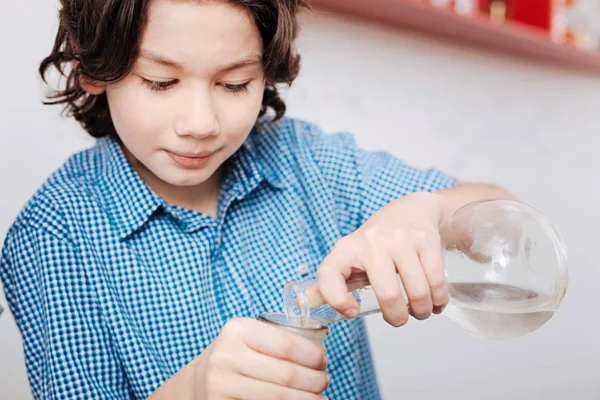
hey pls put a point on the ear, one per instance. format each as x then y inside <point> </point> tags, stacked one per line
<point>92,87</point>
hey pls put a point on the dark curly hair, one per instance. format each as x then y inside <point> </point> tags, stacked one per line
<point>85,47</point>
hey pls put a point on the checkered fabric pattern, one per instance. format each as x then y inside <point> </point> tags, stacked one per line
<point>114,290</point>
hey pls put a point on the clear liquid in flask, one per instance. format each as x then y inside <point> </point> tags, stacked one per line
<point>489,310</point>
<point>497,311</point>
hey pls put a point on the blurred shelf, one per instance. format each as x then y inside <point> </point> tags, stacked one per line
<point>512,38</point>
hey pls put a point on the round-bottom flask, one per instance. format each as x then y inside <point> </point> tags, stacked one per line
<point>505,266</point>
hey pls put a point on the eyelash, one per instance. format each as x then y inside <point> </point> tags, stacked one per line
<point>161,86</point>
<point>236,89</point>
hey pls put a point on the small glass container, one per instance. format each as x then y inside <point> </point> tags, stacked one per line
<point>313,330</point>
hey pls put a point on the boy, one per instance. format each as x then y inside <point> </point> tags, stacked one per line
<point>138,268</point>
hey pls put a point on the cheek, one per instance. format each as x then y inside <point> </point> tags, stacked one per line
<point>133,112</point>
<point>238,113</point>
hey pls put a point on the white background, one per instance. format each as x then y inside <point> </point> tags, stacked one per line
<point>482,117</point>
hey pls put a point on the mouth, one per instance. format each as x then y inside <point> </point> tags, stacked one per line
<point>190,160</point>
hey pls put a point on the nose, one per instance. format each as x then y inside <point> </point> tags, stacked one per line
<point>196,114</point>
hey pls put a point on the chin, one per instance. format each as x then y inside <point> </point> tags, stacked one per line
<point>188,181</point>
<point>182,177</point>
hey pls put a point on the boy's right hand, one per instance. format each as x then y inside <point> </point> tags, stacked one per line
<point>254,360</point>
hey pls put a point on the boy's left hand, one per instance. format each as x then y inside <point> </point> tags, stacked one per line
<point>400,239</point>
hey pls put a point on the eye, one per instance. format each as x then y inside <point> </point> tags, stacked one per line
<point>159,86</point>
<point>239,88</point>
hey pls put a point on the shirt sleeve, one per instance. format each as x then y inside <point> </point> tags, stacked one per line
<point>68,352</point>
<point>364,181</point>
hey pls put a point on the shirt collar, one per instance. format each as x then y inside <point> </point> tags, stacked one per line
<point>263,149</point>
<point>247,168</point>
<point>128,200</point>
<point>252,163</point>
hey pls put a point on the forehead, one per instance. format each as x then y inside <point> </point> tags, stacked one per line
<point>200,33</point>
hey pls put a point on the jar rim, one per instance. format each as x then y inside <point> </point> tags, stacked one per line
<point>280,319</point>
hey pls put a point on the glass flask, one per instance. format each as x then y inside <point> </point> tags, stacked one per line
<point>506,269</point>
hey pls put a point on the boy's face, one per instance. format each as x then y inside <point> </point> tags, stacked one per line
<point>193,95</point>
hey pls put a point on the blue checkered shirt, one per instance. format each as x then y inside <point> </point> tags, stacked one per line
<point>114,290</point>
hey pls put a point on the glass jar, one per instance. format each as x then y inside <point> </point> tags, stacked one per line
<point>313,330</point>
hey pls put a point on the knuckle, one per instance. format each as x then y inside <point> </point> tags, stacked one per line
<point>419,296</point>
<point>233,327</point>
<point>343,244</point>
<point>286,348</point>
<point>437,284</point>
<point>288,376</point>
<point>399,236</point>
<point>373,235</point>
<point>279,393</point>
<point>338,302</point>
<point>432,235</point>
<point>313,354</point>
<point>389,298</point>
<point>419,236</point>
<point>220,360</point>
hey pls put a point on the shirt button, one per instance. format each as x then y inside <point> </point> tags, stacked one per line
<point>303,269</point>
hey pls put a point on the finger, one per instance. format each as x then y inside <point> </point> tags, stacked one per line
<point>284,373</point>
<point>430,255</point>
<point>332,274</point>
<point>243,387</point>
<point>314,297</point>
<point>357,280</point>
<point>281,344</point>
<point>386,285</point>
<point>415,284</point>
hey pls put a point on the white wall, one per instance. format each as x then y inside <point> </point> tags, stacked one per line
<point>527,127</point>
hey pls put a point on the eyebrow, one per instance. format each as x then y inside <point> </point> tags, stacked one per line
<point>248,61</point>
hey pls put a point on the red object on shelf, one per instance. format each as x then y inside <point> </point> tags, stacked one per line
<point>536,13</point>
<point>532,12</point>
<point>510,37</point>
